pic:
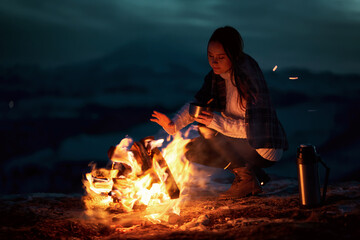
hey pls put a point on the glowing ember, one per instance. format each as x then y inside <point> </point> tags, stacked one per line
<point>293,78</point>
<point>141,179</point>
<point>274,69</point>
<point>227,166</point>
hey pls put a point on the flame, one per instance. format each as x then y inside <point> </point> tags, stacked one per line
<point>128,188</point>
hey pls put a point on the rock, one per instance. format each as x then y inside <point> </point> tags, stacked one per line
<point>174,219</point>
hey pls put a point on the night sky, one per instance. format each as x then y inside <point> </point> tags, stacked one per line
<point>320,35</point>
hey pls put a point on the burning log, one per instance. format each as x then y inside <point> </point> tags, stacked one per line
<point>170,183</point>
<point>142,155</point>
<point>152,155</point>
<point>149,158</point>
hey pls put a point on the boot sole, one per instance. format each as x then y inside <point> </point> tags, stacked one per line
<point>224,197</point>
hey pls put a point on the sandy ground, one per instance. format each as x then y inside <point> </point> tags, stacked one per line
<point>274,214</point>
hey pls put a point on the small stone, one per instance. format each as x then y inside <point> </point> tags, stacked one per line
<point>208,207</point>
<point>174,219</point>
<point>204,220</point>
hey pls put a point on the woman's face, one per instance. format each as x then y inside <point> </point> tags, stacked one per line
<point>218,60</point>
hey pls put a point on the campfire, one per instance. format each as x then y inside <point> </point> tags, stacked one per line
<point>144,178</point>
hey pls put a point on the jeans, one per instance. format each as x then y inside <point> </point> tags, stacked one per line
<point>214,149</point>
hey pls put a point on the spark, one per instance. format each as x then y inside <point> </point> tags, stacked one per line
<point>293,78</point>
<point>227,166</point>
<point>274,69</point>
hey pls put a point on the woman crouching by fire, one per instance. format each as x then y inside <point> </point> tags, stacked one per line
<point>242,131</point>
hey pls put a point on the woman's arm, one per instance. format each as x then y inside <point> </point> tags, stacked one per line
<point>164,122</point>
<point>236,128</point>
<point>182,118</point>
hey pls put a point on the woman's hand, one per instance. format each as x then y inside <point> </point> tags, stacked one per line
<point>205,117</point>
<point>163,121</point>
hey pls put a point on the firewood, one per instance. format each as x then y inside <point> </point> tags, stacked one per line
<point>145,156</point>
<point>141,156</point>
<point>171,186</point>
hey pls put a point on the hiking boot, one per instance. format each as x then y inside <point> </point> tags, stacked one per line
<point>245,184</point>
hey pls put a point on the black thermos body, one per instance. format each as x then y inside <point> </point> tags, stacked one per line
<point>308,176</point>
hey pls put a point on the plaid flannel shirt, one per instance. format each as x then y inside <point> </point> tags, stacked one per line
<point>263,128</point>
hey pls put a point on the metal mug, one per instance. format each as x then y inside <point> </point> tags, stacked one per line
<point>195,109</point>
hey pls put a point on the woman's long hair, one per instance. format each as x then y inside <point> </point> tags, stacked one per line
<point>233,45</point>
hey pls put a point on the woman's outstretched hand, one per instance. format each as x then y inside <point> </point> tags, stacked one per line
<point>163,121</point>
<point>205,117</point>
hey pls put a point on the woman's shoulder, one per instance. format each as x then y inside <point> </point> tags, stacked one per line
<point>209,74</point>
<point>250,66</point>
<point>249,61</point>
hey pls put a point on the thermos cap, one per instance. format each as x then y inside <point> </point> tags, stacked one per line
<point>306,154</point>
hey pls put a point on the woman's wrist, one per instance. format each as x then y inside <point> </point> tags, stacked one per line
<point>171,128</point>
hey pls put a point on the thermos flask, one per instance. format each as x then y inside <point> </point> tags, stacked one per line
<point>308,177</point>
